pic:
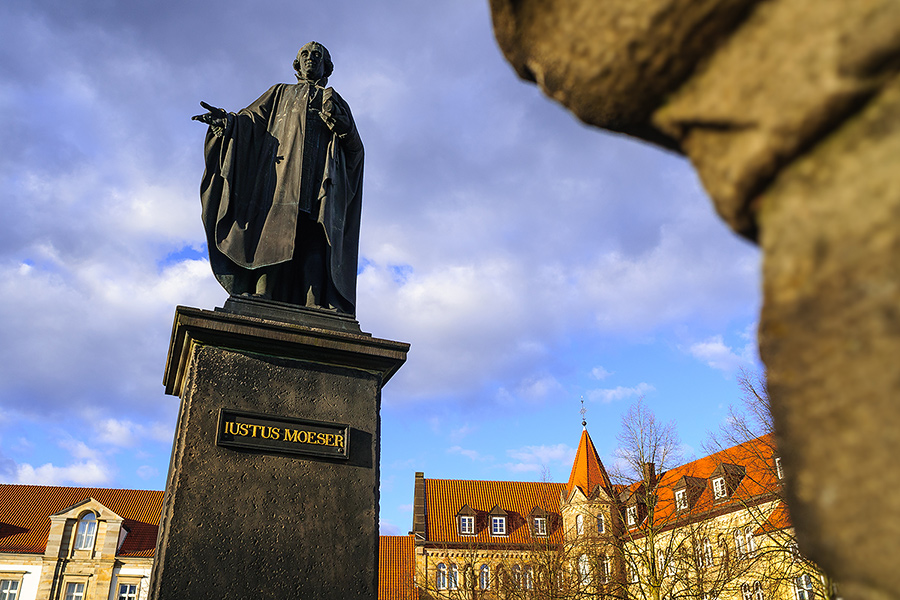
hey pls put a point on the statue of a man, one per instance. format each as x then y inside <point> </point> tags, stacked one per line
<point>282,192</point>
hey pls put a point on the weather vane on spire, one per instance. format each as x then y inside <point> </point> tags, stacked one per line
<point>583,412</point>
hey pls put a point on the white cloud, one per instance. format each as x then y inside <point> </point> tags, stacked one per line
<point>147,472</point>
<point>538,458</point>
<point>385,527</point>
<point>470,454</point>
<point>599,373</point>
<point>620,393</point>
<point>714,352</point>
<point>83,473</point>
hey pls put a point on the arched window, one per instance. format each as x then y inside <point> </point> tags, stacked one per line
<point>87,530</point>
<point>706,553</point>
<point>484,577</point>
<point>601,524</point>
<point>579,524</point>
<point>529,578</point>
<point>453,580</point>
<point>739,542</point>
<point>758,591</point>
<point>803,585</point>
<point>604,569</point>
<point>517,576</point>
<point>749,540</point>
<point>746,593</point>
<point>440,579</point>
<point>584,570</point>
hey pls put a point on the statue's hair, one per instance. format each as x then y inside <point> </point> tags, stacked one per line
<point>329,66</point>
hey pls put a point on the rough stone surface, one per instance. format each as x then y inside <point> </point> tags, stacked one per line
<point>789,111</point>
<point>244,523</point>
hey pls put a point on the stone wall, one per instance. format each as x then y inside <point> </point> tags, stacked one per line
<point>790,112</point>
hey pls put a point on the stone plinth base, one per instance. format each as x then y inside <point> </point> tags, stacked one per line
<point>273,485</point>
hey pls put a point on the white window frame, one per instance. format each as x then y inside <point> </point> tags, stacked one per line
<point>601,524</point>
<point>129,594</point>
<point>529,577</point>
<point>681,502</point>
<point>498,526</point>
<point>779,471</point>
<point>758,593</point>
<point>720,490</point>
<point>440,577</point>
<point>579,524</point>
<point>739,542</point>
<point>804,590</point>
<point>749,539</point>
<point>75,590</point>
<point>584,570</point>
<point>604,569</point>
<point>466,525</point>
<point>540,525</point>
<point>706,553</point>
<point>484,577</point>
<point>86,531</point>
<point>746,592</point>
<point>9,588</point>
<point>631,515</point>
<point>453,577</point>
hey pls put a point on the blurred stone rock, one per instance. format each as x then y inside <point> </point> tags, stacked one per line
<point>790,112</point>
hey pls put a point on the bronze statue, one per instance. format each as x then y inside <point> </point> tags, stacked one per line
<point>282,192</point>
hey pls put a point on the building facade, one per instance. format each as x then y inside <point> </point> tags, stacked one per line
<point>712,529</point>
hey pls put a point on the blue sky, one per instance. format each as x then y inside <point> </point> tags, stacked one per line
<point>529,260</point>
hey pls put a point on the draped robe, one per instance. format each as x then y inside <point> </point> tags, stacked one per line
<point>278,170</point>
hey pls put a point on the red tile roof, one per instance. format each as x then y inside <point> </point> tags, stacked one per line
<point>25,512</point>
<point>587,470</point>
<point>759,481</point>
<point>396,568</point>
<point>778,520</point>
<point>445,497</point>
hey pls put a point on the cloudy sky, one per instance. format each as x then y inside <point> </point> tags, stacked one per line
<point>529,260</point>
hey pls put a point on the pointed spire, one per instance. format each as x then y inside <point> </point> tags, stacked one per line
<point>587,470</point>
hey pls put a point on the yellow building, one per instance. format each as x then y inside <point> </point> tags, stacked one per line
<point>714,528</point>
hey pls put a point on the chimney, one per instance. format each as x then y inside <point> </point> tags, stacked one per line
<point>419,507</point>
<point>649,473</point>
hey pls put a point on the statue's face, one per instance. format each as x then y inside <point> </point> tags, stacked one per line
<point>312,62</point>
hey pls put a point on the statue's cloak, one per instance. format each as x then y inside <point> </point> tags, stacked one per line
<point>277,163</point>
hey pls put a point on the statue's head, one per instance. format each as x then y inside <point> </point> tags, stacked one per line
<point>313,62</point>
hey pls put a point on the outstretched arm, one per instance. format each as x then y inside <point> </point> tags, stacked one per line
<point>216,118</point>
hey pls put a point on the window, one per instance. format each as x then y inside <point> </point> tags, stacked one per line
<point>579,524</point>
<point>529,578</point>
<point>601,524</point>
<point>484,577</point>
<point>804,587</point>
<point>75,591</point>
<point>719,489</point>
<point>746,593</point>
<point>498,525</point>
<point>584,570</point>
<point>631,515</point>
<point>127,591</point>
<point>632,573</point>
<point>453,579</point>
<point>604,569</point>
<point>706,553</point>
<point>749,540</point>
<point>87,528</point>
<point>739,542</point>
<point>681,502</point>
<point>540,526</point>
<point>9,589</point>
<point>517,576</point>
<point>758,591</point>
<point>779,472</point>
<point>440,579</point>
<point>466,525</point>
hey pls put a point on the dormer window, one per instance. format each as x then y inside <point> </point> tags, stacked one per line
<point>466,525</point>
<point>498,525</point>
<point>779,472</point>
<point>681,500</point>
<point>540,525</point>
<point>87,530</point>
<point>631,516</point>
<point>465,521</point>
<point>720,490</point>
<point>498,521</point>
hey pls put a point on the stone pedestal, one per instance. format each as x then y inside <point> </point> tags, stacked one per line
<point>273,484</point>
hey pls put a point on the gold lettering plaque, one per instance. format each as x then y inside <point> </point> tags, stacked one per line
<point>272,433</point>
